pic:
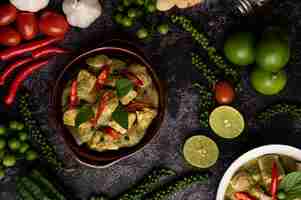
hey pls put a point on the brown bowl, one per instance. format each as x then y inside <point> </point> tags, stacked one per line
<point>83,153</point>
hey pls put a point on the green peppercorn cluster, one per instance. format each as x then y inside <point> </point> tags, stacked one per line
<point>230,72</point>
<point>37,135</point>
<point>133,13</point>
<point>208,73</point>
<point>146,185</point>
<point>206,104</point>
<point>98,197</point>
<point>145,189</point>
<point>176,186</point>
<point>273,110</point>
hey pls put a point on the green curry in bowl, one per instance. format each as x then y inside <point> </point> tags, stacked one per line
<point>110,103</point>
<point>261,179</point>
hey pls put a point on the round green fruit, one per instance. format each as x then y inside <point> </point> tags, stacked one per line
<point>14,144</point>
<point>268,83</point>
<point>240,48</point>
<point>24,147</point>
<point>142,33</point>
<point>9,160</point>
<point>2,143</point>
<point>272,54</point>
<point>2,130</point>
<point>2,173</point>
<point>31,155</point>
<point>23,136</point>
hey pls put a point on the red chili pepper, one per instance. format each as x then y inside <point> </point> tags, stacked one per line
<point>103,76</point>
<point>114,134</point>
<point>9,99</point>
<point>102,105</point>
<point>24,48</point>
<point>73,94</point>
<point>12,67</point>
<point>132,77</point>
<point>137,105</point>
<point>275,181</point>
<point>243,196</point>
<point>46,51</point>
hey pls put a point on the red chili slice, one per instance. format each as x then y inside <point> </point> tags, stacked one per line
<point>73,94</point>
<point>110,131</point>
<point>243,196</point>
<point>102,105</point>
<point>103,76</point>
<point>132,77</point>
<point>275,181</point>
<point>137,105</point>
<point>9,99</point>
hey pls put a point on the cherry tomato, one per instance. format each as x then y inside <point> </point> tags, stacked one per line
<point>8,14</point>
<point>9,36</point>
<point>224,92</point>
<point>27,25</point>
<point>53,24</point>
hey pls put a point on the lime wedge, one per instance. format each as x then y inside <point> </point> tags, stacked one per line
<point>227,122</point>
<point>200,151</point>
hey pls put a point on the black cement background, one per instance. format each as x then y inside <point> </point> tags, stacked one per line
<point>170,57</point>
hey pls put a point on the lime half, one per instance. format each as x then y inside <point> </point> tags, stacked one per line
<point>200,151</point>
<point>227,122</point>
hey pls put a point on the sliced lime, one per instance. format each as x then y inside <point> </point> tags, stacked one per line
<point>227,122</point>
<point>200,151</point>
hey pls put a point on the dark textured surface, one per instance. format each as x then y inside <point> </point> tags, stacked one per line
<point>170,56</point>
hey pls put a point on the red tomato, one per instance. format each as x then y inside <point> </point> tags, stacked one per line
<point>8,14</point>
<point>224,92</point>
<point>27,25</point>
<point>9,36</point>
<point>53,24</point>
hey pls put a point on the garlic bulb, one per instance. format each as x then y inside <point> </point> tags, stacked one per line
<point>30,5</point>
<point>82,13</point>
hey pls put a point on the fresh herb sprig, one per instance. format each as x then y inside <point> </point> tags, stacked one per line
<point>290,186</point>
<point>206,103</point>
<point>38,137</point>
<point>177,186</point>
<point>291,109</point>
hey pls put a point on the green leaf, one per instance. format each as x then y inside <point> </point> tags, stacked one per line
<point>85,113</point>
<point>291,185</point>
<point>121,117</point>
<point>123,87</point>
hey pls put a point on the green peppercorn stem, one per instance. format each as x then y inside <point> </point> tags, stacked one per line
<point>231,73</point>
<point>38,137</point>
<point>177,186</point>
<point>98,197</point>
<point>291,109</point>
<point>146,185</point>
<point>209,74</point>
<point>206,104</point>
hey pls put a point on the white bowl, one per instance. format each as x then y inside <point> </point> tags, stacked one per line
<point>250,155</point>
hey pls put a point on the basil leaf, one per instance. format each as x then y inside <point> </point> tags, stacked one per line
<point>121,117</point>
<point>291,185</point>
<point>123,87</point>
<point>85,113</point>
